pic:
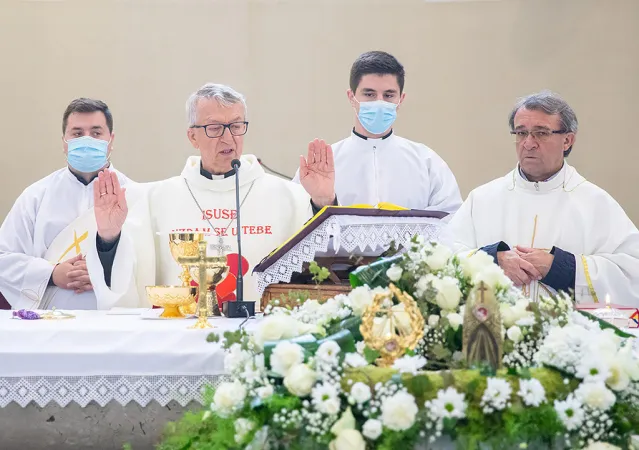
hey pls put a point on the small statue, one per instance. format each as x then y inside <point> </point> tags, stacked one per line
<point>482,339</point>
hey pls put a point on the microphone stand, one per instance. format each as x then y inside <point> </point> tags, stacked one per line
<point>240,277</point>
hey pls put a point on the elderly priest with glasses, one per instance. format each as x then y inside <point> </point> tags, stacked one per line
<point>547,226</point>
<point>130,254</point>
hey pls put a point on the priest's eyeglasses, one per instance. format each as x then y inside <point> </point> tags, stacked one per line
<point>216,130</point>
<point>538,135</point>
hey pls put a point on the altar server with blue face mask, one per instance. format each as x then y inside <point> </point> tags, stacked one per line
<point>44,237</point>
<point>374,165</point>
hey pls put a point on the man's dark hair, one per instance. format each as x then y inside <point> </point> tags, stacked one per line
<point>378,63</point>
<point>87,105</point>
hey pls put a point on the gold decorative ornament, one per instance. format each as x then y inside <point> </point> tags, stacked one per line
<point>56,314</point>
<point>210,270</point>
<point>392,329</point>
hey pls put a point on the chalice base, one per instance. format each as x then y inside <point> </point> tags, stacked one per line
<point>172,312</point>
<point>201,324</point>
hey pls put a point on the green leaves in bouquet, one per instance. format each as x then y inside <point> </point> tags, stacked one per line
<point>371,355</point>
<point>373,275</point>
<point>230,338</point>
<point>604,325</point>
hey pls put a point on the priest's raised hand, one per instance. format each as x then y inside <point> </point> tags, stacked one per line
<point>317,173</point>
<point>110,206</point>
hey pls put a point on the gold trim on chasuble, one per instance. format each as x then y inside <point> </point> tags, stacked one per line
<point>75,245</point>
<point>591,287</point>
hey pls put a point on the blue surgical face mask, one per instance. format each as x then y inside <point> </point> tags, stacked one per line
<point>378,116</point>
<point>87,154</point>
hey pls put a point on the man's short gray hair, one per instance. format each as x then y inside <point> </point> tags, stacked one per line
<point>224,95</point>
<point>550,103</point>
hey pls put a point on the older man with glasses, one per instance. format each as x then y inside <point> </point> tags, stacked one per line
<point>547,227</point>
<point>202,199</point>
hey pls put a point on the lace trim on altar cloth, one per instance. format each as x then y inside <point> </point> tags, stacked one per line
<point>104,389</point>
<point>346,234</point>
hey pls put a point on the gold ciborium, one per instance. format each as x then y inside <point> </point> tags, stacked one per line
<point>184,244</point>
<point>171,298</point>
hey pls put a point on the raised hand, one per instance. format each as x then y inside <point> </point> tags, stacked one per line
<point>110,205</point>
<point>520,271</point>
<point>317,173</point>
<point>541,259</point>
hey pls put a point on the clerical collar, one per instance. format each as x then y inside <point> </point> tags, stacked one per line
<point>211,176</point>
<point>359,135</point>
<point>523,175</point>
<point>82,180</point>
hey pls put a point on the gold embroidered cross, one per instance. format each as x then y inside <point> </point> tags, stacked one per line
<point>75,245</point>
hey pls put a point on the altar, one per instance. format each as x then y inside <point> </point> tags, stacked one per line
<point>103,378</point>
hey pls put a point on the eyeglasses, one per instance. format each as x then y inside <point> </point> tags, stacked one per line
<point>538,135</point>
<point>216,130</point>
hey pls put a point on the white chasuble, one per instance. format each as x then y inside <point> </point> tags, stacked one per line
<point>567,212</point>
<point>272,210</point>
<point>50,222</point>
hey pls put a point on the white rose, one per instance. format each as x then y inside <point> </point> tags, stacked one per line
<point>359,299</point>
<point>514,334</point>
<point>448,293</point>
<point>630,362</point>
<point>275,328</point>
<point>264,392</point>
<point>619,379</point>
<point>433,320</point>
<point>348,440</point>
<point>394,273</point>
<point>399,411</point>
<point>360,392</point>
<point>492,276</point>
<point>472,265</point>
<point>346,422</point>
<point>286,355</point>
<point>300,380</point>
<point>438,258</point>
<point>372,429</point>
<point>424,283</point>
<point>228,398</point>
<point>455,320</point>
<point>511,314</point>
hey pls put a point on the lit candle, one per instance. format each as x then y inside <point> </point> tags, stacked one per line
<point>607,300</point>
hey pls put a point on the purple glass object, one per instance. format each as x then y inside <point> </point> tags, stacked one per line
<point>26,314</point>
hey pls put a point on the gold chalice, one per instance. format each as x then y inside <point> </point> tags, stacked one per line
<point>184,244</point>
<point>172,299</point>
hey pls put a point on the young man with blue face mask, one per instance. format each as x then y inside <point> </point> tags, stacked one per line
<point>374,165</point>
<point>43,238</point>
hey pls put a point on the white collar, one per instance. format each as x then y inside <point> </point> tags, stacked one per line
<point>250,170</point>
<point>567,179</point>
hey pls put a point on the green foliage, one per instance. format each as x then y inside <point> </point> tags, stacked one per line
<point>371,355</point>
<point>194,433</point>
<point>319,273</point>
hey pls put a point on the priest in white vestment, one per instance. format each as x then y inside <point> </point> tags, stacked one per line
<point>202,199</point>
<point>45,236</point>
<point>374,165</point>
<point>547,226</point>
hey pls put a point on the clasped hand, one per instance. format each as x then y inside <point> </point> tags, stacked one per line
<point>524,265</point>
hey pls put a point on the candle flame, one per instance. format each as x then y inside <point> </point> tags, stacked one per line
<point>607,300</point>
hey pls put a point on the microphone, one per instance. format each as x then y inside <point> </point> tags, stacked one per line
<point>236,308</point>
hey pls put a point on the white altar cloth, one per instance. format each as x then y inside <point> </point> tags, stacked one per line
<point>100,356</point>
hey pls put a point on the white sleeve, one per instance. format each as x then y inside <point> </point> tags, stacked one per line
<point>134,264</point>
<point>462,227</point>
<point>21,272</point>
<point>444,192</point>
<point>612,269</point>
<point>296,178</point>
